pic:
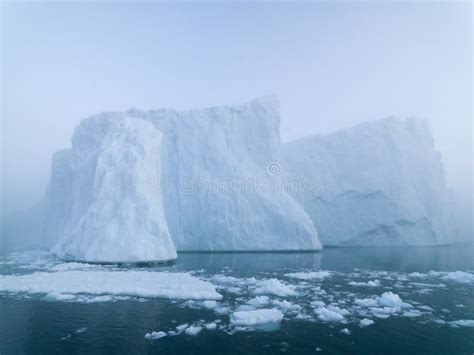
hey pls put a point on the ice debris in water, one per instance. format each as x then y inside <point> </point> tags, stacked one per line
<point>462,323</point>
<point>155,335</point>
<point>375,283</point>
<point>366,322</point>
<point>275,287</point>
<point>313,275</point>
<point>390,299</point>
<point>331,313</point>
<point>259,316</point>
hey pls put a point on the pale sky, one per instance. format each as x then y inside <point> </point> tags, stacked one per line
<point>332,65</point>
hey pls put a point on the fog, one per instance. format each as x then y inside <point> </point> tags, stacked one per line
<point>332,65</point>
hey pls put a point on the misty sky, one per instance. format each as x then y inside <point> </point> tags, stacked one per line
<point>331,64</point>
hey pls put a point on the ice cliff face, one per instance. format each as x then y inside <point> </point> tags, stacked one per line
<point>378,184</point>
<point>219,193</point>
<point>117,192</point>
<point>99,202</point>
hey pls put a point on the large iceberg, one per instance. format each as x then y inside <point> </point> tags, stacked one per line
<point>379,183</point>
<point>122,193</point>
<point>99,203</point>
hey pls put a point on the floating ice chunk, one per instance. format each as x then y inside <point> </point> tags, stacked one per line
<point>155,335</point>
<point>421,284</point>
<point>182,327</point>
<point>384,312</point>
<point>366,322</point>
<point>225,279</point>
<point>462,323</point>
<point>459,276</point>
<point>317,303</point>
<point>258,301</point>
<point>331,314</point>
<point>426,308</point>
<point>103,298</point>
<point>245,307</point>
<point>366,302</point>
<point>81,330</point>
<point>60,296</point>
<point>318,275</point>
<point>259,316</point>
<point>193,330</point>
<point>345,331</point>
<point>375,283</point>
<point>286,306</point>
<point>223,310</point>
<point>133,283</point>
<point>210,304</point>
<point>412,314</point>
<point>211,326</point>
<point>390,299</point>
<point>275,287</point>
<point>417,274</point>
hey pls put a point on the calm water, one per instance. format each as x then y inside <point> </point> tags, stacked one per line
<point>33,324</point>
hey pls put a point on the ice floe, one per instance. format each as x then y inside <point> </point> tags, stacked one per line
<point>155,335</point>
<point>366,322</point>
<point>132,283</point>
<point>313,275</point>
<point>275,287</point>
<point>256,317</point>
<point>375,283</point>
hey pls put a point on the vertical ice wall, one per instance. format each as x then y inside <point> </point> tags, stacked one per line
<point>100,201</point>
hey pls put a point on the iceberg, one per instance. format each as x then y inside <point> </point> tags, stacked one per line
<point>379,183</point>
<point>139,185</point>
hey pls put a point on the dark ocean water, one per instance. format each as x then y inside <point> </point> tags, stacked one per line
<point>32,324</point>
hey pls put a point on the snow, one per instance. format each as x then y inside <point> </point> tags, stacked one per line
<point>155,335</point>
<point>106,283</point>
<point>275,287</point>
<point>318,275</point>
<point>375,283</point>
<point>109,213</point>
<point>380,183</point>
<point>259,316</point>
<point>366,322</point>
